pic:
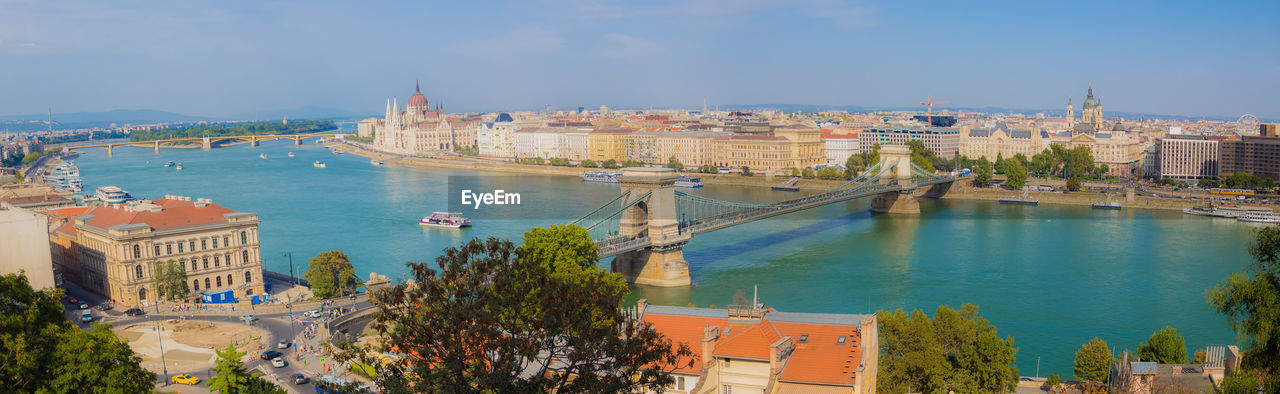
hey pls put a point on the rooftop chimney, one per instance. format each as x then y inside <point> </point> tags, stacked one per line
<point>710,334</point>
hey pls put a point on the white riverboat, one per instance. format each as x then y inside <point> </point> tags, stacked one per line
<point>1259,217</point>
<point>318,164</point>
<point>376,162</point>
<point>112,195</point>
<point>601,176</point>
<point>179,167</point>
<point>290,154</point>
<point>445,220</point>
<point>262,156</point>
<point>689,182</point>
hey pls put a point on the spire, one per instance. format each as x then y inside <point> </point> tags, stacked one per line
<point>1091,90</point>
<point>416,87</point>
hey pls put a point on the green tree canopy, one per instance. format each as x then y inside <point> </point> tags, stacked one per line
<point>982,172</point>
<point>489,312</point>
<point>1093,361</point>
<point>1016,174</point>
<point>588,163</point>
<point>611,163</point>
<point>957,351</point>
<point>675,164</point>
<point>808,173</point>
<point>1251,301</point>
<point>46,353</point>
<point>330,274</point>
<point>171,281</point>
<point>1164,347</point>
<point>30,157</point>
<point>1073,184</point>
<point>232,378</point>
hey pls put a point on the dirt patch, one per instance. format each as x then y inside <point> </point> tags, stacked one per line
<point>189,345</point>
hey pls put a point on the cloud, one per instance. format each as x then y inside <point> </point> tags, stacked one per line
<point>621,46</point>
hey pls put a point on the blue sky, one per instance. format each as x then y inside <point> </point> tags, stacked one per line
<point>228,58</point>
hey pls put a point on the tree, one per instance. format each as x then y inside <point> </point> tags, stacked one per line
<point>1239,179</point>
<point>1093,361</point>
<point>46,353</point>
<point>1251,302</point>
<point>489,312</point>
<point>171,281</point>
<point>854,165</point>
<point>982,172</point>
<point>1073,184</point>
<point>1016,174</point>
<point>632,163</point>
<point>1103,170</point>
<point>1053,381</point>
<point>675,164</point>
<point>588,163</point>
<point>30,157</point>
<point>1199,357</point>
<point>611,163</point>
<point>330,274</point>
<point>956,351</point>
<point>1164,347</point>
<point>808,173</point>
<point>231,377</point>
<point>1022,159</point>
<point>1042,163</point>
<point>829,173</point>
<point>999,164</point>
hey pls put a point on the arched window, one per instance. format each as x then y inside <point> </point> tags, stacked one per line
<point>137,270</point>
<point>219,281</point>
<point>245,256</point>
<point>137,252</point>
<point>206,284</point>
<point>142,294</point>
<point>196,284</point>
<point>229,280</point>
<point>244,237</point>
<point>248,277</point>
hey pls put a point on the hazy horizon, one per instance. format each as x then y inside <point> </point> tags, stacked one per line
<point>218,60</point>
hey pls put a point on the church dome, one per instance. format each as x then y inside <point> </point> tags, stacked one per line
<point>1118,127</point>
<point>1090,103</point>
<point>417,100</point>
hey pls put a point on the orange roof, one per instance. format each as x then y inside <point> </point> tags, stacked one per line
<point>173,214</point>
<point>820,359</point>
<point>68,212</point>
<point>753,343</point>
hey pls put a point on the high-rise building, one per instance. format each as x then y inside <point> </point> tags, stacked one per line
<point>944,142</point>
<point>1187,157</point>
<point>1258,156</point>
<point>1269,130</point>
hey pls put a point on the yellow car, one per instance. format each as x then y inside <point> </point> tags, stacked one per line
<point>185,379</point>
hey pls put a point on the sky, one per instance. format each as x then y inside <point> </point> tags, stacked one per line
<point>227,58</point>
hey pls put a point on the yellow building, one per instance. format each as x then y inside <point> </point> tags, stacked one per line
<point>1000,141</point>
<point>606,144</point>
<point>691,148</point>
<point>118,248</point>
<point>807,148</point>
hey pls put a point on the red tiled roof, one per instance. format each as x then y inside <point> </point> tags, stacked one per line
<point>820,359</point>
<point>174,214</point>
<point>753,343</point>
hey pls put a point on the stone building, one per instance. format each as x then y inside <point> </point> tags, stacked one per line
<point>418,128</point>
<point>23,233</point>
<point>116,249</point>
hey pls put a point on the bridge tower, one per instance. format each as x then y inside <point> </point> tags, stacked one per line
<point>110,149</point>
<point>157,146</point>
<point>253,140</point>
<point>903,202</point>
<point>661,264</point>
<point>206,143</point>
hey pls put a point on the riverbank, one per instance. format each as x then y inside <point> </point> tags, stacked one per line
<point>959,191</point>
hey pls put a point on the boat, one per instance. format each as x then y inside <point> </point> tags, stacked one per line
<point>1198,211</point>
<point>601,176</point>
<point>375,162</point>
<point>262,156</point>
<point>689,182</point>
<point>1259,217</point>
<point>169,164</point>
<point>788,185</point>
<point>290,154</point>
<point>179,167</point>
<point>1025,199</point>
<point>318,164</point>
<point>336,152</point>
<point>445,219</point>
<point>112,195</point>
<point>1109,204</point>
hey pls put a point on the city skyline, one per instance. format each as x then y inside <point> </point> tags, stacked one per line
<point>1184,59</point>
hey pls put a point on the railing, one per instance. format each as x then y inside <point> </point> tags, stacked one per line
<point>620,244</point>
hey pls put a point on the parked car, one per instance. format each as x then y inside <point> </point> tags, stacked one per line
<point>105,307</point>
<point>86,317</point>
<point>248,318</point>
<point>299,378</point>
<point>73,301</point>
<point>134,312</point>
<point>283,344</point>
<point>270,354</point>
<point>313,313</point>
<point>185,379</point>
<point>84,306</point>
<point>278,362</point>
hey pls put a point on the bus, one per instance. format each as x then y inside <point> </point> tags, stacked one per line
<point>1232,192</point>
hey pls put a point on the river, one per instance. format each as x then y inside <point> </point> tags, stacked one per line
<point>1053,277</point>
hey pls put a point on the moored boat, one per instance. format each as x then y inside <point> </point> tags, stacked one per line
<point>375,162</point>
<point>169,164</point>
<point>318,164</point>
<point>1109,204</point>
<point>262,156</point>
<point>290,154</point>
<point>1259,217</point>
<point>601,176</point>
<point>179,167</point>
<point>1025,199</point>
<point>112,195</point>
<point>688,181</point>
<point>445,220</point>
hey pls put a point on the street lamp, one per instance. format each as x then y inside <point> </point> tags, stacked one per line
<point>163,364</point>
<point>291,281</point>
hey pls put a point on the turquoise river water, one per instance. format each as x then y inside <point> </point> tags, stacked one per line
<point>1053,277</point>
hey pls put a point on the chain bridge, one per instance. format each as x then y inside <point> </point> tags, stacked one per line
<point>205,142</point>
<point>646,226</point>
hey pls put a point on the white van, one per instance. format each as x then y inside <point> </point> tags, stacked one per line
<point>86,316</point>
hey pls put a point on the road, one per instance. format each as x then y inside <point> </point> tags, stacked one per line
<point>279,325</point>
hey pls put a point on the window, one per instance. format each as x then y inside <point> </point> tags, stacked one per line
<point>157,250</point>
<point>804,338</point>
<point>226,241</point>
<point>204,245</point>
<point>137,252</point>
<point>206,263</point>
<point>248,277</point>
<point>244,237</point>
<point>196,284</point>
<point>841,339</point>
<point>215,243</point>
<point>179,247</point>
<point>219,281</point>
<point>680,383</point>
<point>727,388</point>
<point>229,280</point>
<point>168,249</point>
<point>228,258</point>
<point>215,261</point>
<point>137,269</point>
<point>193,265</point>
<point>245,256</point>
<point>193,245</point>
<point>206,283</point>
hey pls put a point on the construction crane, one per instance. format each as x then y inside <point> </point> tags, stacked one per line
<point>929,103</point>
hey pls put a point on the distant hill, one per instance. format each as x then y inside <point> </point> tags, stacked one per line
<point>301,113</point>
<point>1003,110</point>
<point>115,116</point>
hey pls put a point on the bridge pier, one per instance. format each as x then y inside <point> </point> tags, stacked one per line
<point>297,141</point>
<point>902,202</point>
<point>661,264</point>
<point>896,203</point>
<point>206,143</point>
<point>110,150</point>
<point>157,146</point>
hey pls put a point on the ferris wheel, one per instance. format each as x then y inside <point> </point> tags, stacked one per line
<point>1247,124</point>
